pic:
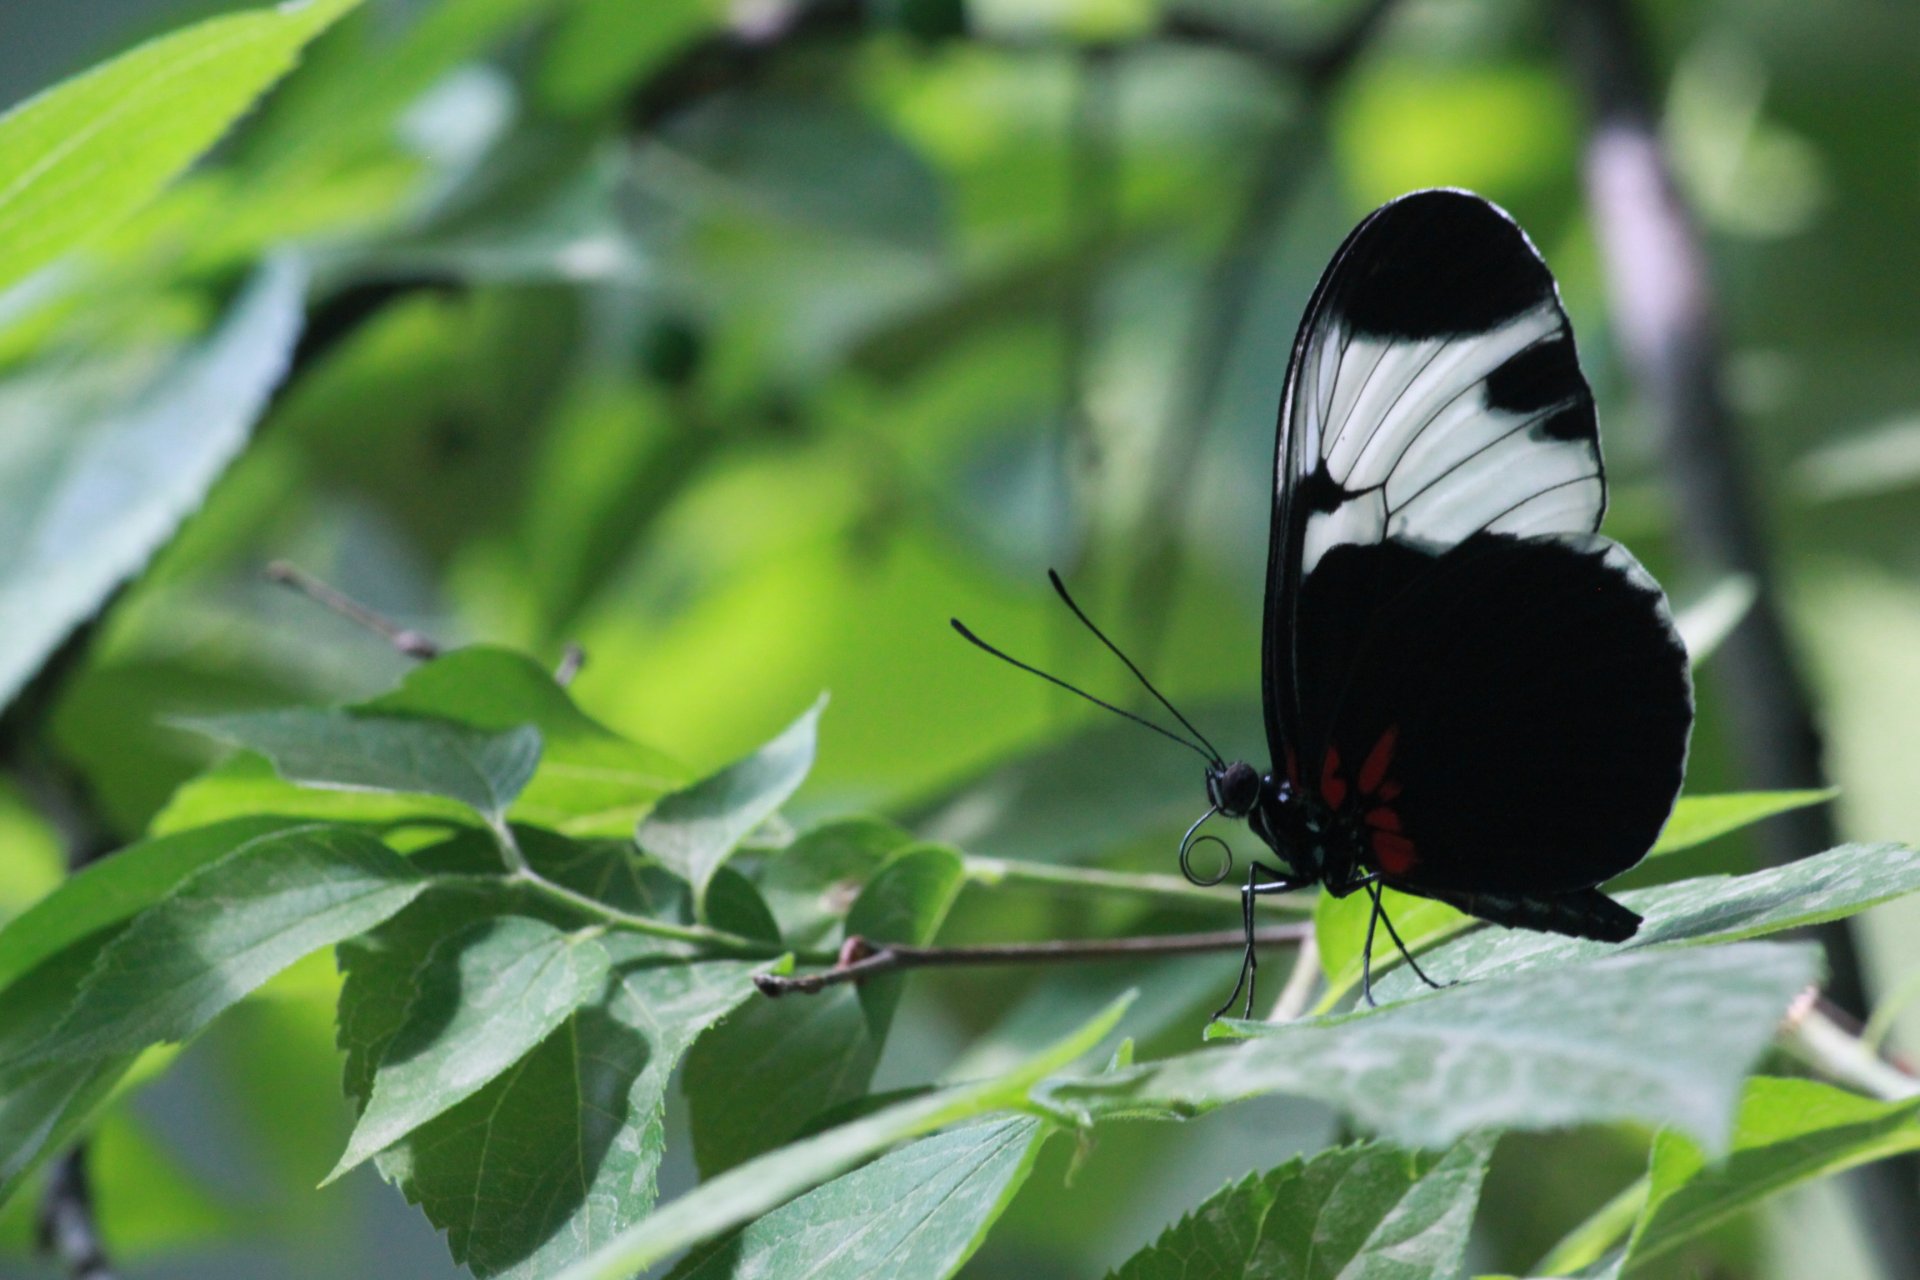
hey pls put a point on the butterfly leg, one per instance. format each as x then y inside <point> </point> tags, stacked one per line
<point>1249,958</point>
<point>1380,913</point>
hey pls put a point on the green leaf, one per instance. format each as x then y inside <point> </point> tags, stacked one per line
<point>1367,1212</point>
<point>1340,924</point>
<point>920,1211</point>
<point>754,1188</point>
<point>693,832</point>
<point>44,1104</point>
<point>591,781</point>
<point>764,1074</point>
<point>559,1152</point>
<point>816,879</point>
<point>1340,932</point>
<point>1788,1132</point>
<point>1827,886</point>
<point>109,890</point>
<point>355,751</point>
<point>225,930</point>
<point>1652,1037</point>
<point>84,155</point>
<point>486,997</point>
<point>1698,819</point>
<point>90,491</point>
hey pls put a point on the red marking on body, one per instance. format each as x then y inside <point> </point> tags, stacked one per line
<point>1333,788</point>
<point>1293,769</point>
<point>1374,770</point>
<point>1381,818</point>
<point>1394,852</point>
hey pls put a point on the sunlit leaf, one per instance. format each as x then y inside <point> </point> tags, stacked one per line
<point>694,831</point>
<point>88,152</point>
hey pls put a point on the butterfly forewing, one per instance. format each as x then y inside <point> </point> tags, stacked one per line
<point>1491,695</point>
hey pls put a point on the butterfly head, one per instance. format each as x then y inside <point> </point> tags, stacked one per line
<point>1233,789</point>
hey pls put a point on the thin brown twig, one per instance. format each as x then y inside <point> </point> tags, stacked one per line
<point>860,959</point>
<point>413,643</point>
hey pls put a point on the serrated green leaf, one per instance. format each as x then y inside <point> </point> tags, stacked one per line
<point>1827,886</point>
<point>920,1211</point>
<point>356,751</point>
<point>1788,1132</point>
<point>110,890</point>
<point>225,930</point>
<point>1698,819</point>
<point>694,831</point>
<point>754,1188</point>
<point>1367,1212</point>
<point>591,781</point>
<point>84,155</point>
<point>1651,1037</point>
<point>89,491</point>
<point>484,998</point>
<point>560,1151</point>
<point>761,1076</point>
<point>1340,924</point>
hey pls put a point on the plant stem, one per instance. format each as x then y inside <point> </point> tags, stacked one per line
<point>521,872</point>
<point>992,872</point>
<point>413,643</point>
<point>860,959</point>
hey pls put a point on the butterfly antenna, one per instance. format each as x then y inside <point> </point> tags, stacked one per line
<point>1139,675</point>
<point>978,643</point>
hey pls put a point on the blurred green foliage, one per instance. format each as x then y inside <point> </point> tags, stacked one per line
<point>746,371</point>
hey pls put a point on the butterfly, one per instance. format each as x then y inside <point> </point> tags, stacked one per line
<point>1470,695</point>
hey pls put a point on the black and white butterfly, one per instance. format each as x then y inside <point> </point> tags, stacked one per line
<point>1470,695</point>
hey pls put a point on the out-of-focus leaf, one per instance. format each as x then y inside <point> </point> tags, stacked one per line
<point>85,154</point>
<point>1655,1038</point>
<point>1788,1132</point>
<point>761,1076</point>
<point>353,751</point>
<point>693,832</point>
<point>1104,785</point>
<point>225,930</point>
<point>109,890</point>
<point>604,46</point>
<point>484,998</point>
<point>1698,819</point>
<point>1340,925</point>
<point>815,881</point>
<point>920,1211</point>
<point>760,1185</point>
<point>1705,622</point>
<point>85,500</point>
<point>1827,886</point>
<point>1368,1212</point>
